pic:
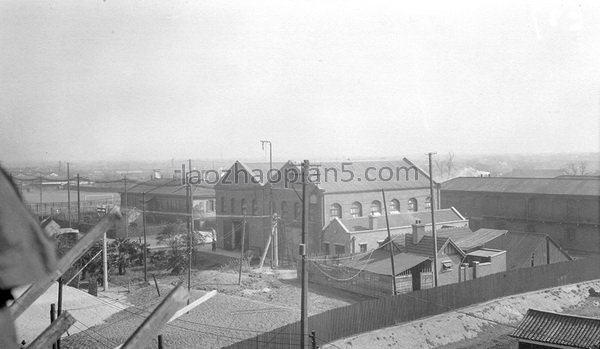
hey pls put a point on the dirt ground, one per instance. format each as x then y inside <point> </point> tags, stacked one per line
<point>264,301</point>
<point>485,325</point>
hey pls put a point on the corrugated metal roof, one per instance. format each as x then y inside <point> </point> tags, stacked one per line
<point>584,186</point>
<point>403,219</point>
<point>559,329</point>
<point>402,262</point>
<point>468,240</point>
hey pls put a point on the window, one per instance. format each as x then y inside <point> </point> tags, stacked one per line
<point>533,259</point>
<point>446,266</point>
<point>326,248</point>
<point>244,207</point>
<point>376,208</point>
<point>254,208</point>
<point>223,204</point>
<point>394,206</point>
<point>363,247</point>
<point>356,209</point>
<point>428,202</point>
<point>340,249</point>
<point>570,234</point>
<point>335,211</point>
<point>297,211</point>
<point>232,205</point>
<point>284,209</point>
<point>413,205</point>
<point>210,206</point>
<point>531,212</point>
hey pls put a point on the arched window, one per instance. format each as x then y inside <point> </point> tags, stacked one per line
<point>232,204</point>
<point>297,211</point>
<point>428,202</point>
<point>376,208</point>
<point>335,211</point>
<point>244,207</point>
<point>394,206</point>
<point>356,209</point>
<point>413,206</point>
<point>284,209</point>
<point>254,208</point>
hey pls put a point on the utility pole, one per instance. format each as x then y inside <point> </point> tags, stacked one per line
<point>41,201</point>
<point>188,206</point>
<point>78,204</point>
<point>242,249</point>
<point>387,223</point>
<point>144,230</point>
<point>432,206</point>
<point>273,246</point>
<point>303,248</point>
<point>125,210</point>
<point>68,195</point>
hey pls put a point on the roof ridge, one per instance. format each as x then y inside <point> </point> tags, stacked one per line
<point>564,314</point>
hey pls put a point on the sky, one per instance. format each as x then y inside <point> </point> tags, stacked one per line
<point>146,80</point>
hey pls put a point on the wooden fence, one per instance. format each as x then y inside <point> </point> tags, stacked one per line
<point>392,310</point>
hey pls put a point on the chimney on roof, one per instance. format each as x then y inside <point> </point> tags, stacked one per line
<point>373,222</point>
<point>418,231</point>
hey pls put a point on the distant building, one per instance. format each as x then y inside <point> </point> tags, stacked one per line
<point>340,190</point>
<point>166,201</point>
<point>544,329</point>
<point>565,208</point>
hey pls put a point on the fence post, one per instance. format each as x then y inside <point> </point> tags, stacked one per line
<point>52,318</point>
<point>160,343</point>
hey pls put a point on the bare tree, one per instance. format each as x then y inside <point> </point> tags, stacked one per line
<point>450,164</point>
<point>576,168</point>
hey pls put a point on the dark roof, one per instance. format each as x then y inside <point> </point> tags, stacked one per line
<point>519,246</point>
<point>403,219</point>
<point>581,186</point>
<point>425,246</point>
<point>468,240</point>
<point>559,329</point>
<point>171,187</point>
<point>535,173</point>
<point>402,262</point>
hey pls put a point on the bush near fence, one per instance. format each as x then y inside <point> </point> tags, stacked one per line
<point>392,310</point>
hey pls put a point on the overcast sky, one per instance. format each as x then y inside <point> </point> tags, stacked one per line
<point>122,79</point>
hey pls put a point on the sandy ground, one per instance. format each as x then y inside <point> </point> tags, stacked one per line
<point>485,325</point>
<point>263,302</point>
<point>85,308</point>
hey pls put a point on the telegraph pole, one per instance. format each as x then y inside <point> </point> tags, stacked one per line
<point>78,202</point>
<point>242,249</point>
<point>387,223</point>
<point>41,201</point>
<point>125,210</point>
<point>68,195</point>
<point>304,295</point>
<point>432,207</point>
<point>144,229</point>
<point>189,208</point>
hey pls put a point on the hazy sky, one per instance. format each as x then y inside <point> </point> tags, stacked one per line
<point>123,79</point>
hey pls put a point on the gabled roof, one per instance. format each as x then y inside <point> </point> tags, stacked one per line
<point>468,240</point>
<point>405,175</point>
<point>425,246</point>
<point>402,262</point>
<point>559,329</point>
<point>348,176</point>
<point>403,219</point>
<point>572,186</point>
<point>520,245</point>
